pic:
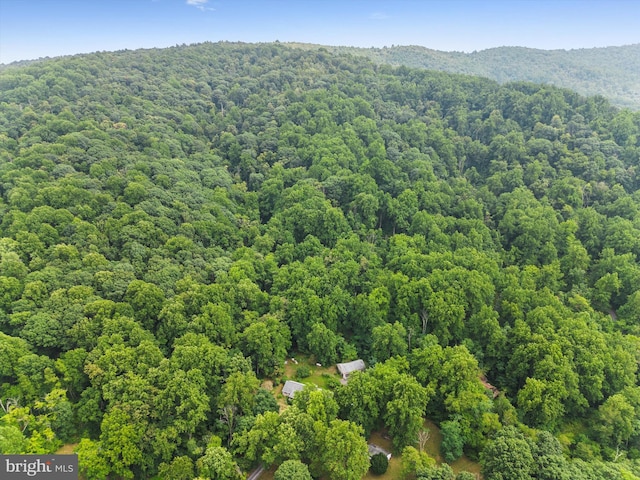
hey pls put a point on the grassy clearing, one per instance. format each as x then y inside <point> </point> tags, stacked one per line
<point>268,474</point>
<point>432,447</point>
<point>318,377</point>
<point>66,449</point>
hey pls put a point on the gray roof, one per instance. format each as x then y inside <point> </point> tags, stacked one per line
<point>290,388</point>
<point>349,367</point>
<point>375,449</point>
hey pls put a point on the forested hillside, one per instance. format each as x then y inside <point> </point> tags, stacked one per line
<point>176,223</point>
<point>612,71</point>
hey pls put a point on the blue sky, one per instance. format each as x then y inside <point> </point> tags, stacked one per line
<point>37,28</point>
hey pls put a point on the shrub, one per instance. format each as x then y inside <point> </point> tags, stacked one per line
<point>303,371</point>
<point>379,464</point>
<point>332,383</point>
<point>292,470</point>
<point>466,476</point>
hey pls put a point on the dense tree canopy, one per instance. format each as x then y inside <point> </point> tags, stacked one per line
<point>175,223</point>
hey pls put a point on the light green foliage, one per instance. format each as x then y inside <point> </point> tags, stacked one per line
<point>90,461</point>
<point>258,442</point>
<point>318,404</point>
<point>216,323</point>
<point>292,470</point>
<point>465,476</point>
<point>121,441</point>
<point>217,464</point>
<point>344,451</point>
<point>616,420</point>
<point>402,401</point>
<point>415,462</point>
<point>440,472</point>
<point>12,440</point>
<point>180,468</point>
<point>239,391</point>
<point>11,349</point>
<point>237,398</point>
<point>146,300</point>
<point>550,461</point>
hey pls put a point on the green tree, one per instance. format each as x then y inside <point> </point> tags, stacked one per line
<point>379,464</point>
<point>216,322</point>
<point>507,456</point>
<point>344,451</point>
<point>616,420</point>
<point>403,413</point>
<point>257,444</point>
<point>91,460</point>
<point>415,462</point>
<point>360,399</point>
<point>452,440</point>
<point>465,476</point>
<point>292,470</point>
<point>323,344</point>
<point>266,343</point>
<point>147,300</point>
<point>320,405</point>
<point>12,440</point>
<point>236,399</point>
<point>440,472</point>
<point>549,459</point>
<point>180,468</point>
<point>121,441</point>
<point>388,340</point>
<point>218,464</point>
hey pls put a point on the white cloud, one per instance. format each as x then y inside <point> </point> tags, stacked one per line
<point>200,5</point>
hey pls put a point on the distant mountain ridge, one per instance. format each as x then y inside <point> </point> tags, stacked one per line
<point>613,72</point>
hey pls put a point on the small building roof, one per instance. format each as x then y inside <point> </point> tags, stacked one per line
<point>350,367</point>
<point>375,449</point>
<point>290,388</point>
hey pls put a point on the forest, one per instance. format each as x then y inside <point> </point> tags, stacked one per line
<point>609,71</point>
<point>176,224</point>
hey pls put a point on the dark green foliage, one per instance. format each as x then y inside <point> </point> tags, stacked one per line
<point>379,464</point>
<point>507,456</point>
<point>265,402</point>
<point>452,440</point>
